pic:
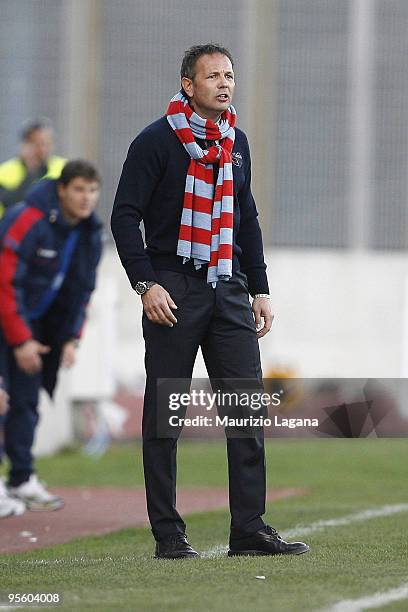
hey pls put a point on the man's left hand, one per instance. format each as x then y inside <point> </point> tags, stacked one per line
<point>261,307</point>
<point>68,355</point>
<point>4,401</point>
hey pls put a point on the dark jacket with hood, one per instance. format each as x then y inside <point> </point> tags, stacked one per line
<point>33,234</point>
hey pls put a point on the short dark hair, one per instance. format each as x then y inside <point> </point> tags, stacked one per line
<point>32,125</point>
<point>79,168</point>
<point>194,53</point>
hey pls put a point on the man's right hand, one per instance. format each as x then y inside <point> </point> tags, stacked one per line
<point>28,356</point>
<point>157,303</point>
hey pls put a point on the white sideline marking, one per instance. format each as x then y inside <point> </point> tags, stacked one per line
<point>217,551</point>
<point>363,515</point>
<point>356,517</point>
<point>371,601</point>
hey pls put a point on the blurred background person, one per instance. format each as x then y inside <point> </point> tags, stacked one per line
<point>50,246</point>
<point>8,505</point>
<point>34,161</point>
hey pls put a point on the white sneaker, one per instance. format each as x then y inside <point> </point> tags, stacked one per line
<point>8,505</point>
<point>36,497</point>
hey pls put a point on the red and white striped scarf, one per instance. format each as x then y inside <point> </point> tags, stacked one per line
<point>206,229</point>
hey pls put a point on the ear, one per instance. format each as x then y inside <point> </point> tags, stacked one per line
<point>187,85</point>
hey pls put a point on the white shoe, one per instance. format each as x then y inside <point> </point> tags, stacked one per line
<point>36,497</point>
<point>8,505</point>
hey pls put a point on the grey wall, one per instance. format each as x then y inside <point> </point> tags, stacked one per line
<point>390,210</point>
<point>311,171</point>
<point>143,44</point>
<point>30,79</point>
<point>132,57</point>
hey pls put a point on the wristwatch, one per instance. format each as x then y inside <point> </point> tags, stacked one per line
<point>262,295</point>
<point>142,286</point>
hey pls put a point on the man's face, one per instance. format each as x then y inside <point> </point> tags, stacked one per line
<point>78,199</point>
<point>41,143</point>
<point>212,88</point>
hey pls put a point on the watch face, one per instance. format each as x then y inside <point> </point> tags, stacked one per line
<point>140,288</point>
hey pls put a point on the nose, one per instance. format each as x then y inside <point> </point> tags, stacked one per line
<point>223,81</point>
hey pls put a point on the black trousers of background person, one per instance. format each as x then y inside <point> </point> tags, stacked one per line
<point>219,320</point>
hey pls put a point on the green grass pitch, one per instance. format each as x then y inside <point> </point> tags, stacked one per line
<point>117,572</point>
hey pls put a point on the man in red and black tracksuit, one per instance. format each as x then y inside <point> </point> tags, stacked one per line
<point>50,246</point>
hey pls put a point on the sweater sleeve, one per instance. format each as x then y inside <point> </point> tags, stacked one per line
<point>249,237</point>
<point>78,324</point>
<point>140,174</point>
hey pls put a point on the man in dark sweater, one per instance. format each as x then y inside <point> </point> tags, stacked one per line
<point>187,176</point>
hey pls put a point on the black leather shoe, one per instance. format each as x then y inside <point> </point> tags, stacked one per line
<point>175,547</point>
<point>266,541</point>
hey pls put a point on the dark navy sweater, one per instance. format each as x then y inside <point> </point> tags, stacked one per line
<point>151,189</point>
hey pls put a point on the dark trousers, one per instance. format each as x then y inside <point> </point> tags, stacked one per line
<point>20,422</point>
<point>219,320</point>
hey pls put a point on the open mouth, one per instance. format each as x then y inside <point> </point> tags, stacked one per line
<point>223,97</point>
